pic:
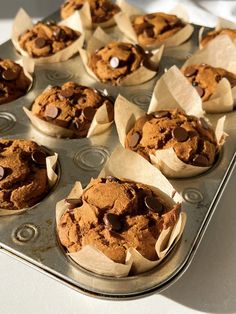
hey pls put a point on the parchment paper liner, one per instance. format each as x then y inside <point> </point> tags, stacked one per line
<point>137,169</point>
<point>86,19</point>
<point>51,163</point>
<point>141,75</point>
<point>126,113</point>
<point>28,68</point>
<point>99,124</point>
<point>23,22</point>
<point>123,20</point>
<point>221,23</point>
<point>219,52</point>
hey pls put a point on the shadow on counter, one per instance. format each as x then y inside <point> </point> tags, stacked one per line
<point>209,284</point>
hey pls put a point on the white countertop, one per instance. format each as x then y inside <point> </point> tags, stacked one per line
<point>209,284</point>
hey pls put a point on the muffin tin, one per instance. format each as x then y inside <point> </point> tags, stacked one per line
<point>31,236</point>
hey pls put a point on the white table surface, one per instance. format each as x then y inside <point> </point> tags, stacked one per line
<point>209,284</point>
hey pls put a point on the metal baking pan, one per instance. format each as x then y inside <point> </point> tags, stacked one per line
<point>31,237</point>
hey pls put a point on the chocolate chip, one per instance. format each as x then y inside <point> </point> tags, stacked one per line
<point>149,32</point>
<point>67,93</point>
<point>134,140</point>
<point>201,161</point>
<point>89,113</point>
<point>59,34</point>
<point>112,222</point>
<point>51,112</point>
<point>200,91</point>
<point>39,157</point>
<point>2,172</point>
<point>124,47</point>
<point>112,179</point>
<point>161,114</point>
<point>40,42</point>
<point>194,83</point>
<point>73,202</point>
<point>180,134</point>
<point>140,49</point>
<point>9,75</point>
<point>114,62</point>
<point>190,71</point>
<point>218,78</point>
<point>153,204</point>
<point>202,122</point>
<point>150,16</point>
<point>78,6</point>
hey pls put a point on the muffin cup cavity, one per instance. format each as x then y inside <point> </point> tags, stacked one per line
<point>100,123</point>
<point>224,97</point>
<point>164,159</point>
<point>23,22</point>
<point>100,39</point>
<point>52,175</point>
<point>139,170</point>
<point>128,12</point>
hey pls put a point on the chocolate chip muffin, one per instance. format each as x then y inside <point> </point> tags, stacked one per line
<point>155,28</point>
<point>205,78</point>
<point>211,35</point>
<point>71,106</point>
<point>114,215</point>
<point>101,10</point>
<point>117,60</point>
<point>13,81</point>
<point>23,174</point>
<point>192,139</point>
<point>46,39</point>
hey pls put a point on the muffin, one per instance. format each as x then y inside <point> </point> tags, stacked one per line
<point>205,78</point>
<point>114,215</point>
<point>101,10</point>
<point>211,35</point>
<point>13,81</point>
<point>46,39</point>
<point>117,60</point>
<point>23,174</point>
<point>71,106</point>
<point>193,140</point>
<point>155,28</point>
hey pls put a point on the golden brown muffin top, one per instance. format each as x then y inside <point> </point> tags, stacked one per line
<point>192,139</point>
<point>23,174</point>
<point>155,28</point>
<point>71,106</point>
<point>114,215</point>
<point>205,78</point>
<point>46,39</point>
<point>101,10</point>
<point>13,81</point>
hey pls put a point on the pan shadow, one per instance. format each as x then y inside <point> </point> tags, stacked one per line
<point>209,284</point>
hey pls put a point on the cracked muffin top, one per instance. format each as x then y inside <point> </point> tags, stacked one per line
<point>71,106</point>
<point>211,35</point>
<point>114,215</point>
<point>192,139</point>
<point>155,28</point>
<point>101,10</point>
<point>46,39</point>
<point>13,81</point>
<point>205,78</point>
<point>23,174</point>
<point>117,60</point>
